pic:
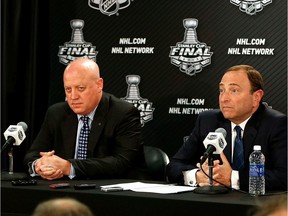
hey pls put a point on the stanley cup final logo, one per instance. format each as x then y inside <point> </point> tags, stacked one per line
<point>190,55</point>
<point>77,47</point>
<point>133,96</point>
<point>251,7</point>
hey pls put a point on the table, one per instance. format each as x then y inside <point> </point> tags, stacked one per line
<point>21,200</point>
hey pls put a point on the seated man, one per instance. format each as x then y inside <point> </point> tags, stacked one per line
<point>110,145</point>
<point>240,100</point>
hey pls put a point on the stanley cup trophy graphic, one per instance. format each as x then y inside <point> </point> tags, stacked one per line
<point>77,34</point>
<point>76,47</point>
<point>133,89</point>
<point>133,96</point>
<point>190,37</point>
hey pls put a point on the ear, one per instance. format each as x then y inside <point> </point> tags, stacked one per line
<point>100,83</point>
<point>258,95</point>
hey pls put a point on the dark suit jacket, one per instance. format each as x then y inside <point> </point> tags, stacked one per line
<point>266,127</point>
<point>115,144</point>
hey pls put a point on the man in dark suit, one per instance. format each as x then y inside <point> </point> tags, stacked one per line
<point>114,146</point>
<point>240,101</point>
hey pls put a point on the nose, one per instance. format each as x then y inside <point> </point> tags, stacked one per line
<point>74,95</point>
<point>224,96</point>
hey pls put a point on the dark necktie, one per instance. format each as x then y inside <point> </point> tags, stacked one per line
<point>238,156</point>
<point>83,139</point>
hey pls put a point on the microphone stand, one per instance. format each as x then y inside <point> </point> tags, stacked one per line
<point>210,189</point>
<point>11,175</point>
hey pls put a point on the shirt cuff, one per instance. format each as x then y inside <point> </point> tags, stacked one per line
<point>190,177</point>
<point>31,170</point>
<point>235,180</point>
<point>72,172</point>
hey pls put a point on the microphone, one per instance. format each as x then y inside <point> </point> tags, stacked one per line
<point>214,142</point>
<point>15,134</point>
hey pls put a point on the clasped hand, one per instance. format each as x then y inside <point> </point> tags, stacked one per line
<point>221,173</point>
<point>50,166</point>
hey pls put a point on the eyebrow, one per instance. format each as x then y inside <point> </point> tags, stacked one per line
<point>230,84</point>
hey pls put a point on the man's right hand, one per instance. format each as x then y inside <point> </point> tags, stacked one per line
<point>45,167</point>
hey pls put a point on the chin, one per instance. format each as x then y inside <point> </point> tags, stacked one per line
<point>77,111</point>
<point>227,115</point>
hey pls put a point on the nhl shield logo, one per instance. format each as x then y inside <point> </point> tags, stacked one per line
<point>108,7</point>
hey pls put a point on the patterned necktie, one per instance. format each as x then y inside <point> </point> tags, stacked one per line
<point>238,156</point>
<point>83,139</point>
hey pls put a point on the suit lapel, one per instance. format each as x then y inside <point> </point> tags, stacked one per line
<point>98,123</point>
<point>251,131</point>
<point>249,136</point>
<point>69,126</point>
<point>227,126</point>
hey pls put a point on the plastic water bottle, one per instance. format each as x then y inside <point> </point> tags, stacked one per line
<point>256,172</point>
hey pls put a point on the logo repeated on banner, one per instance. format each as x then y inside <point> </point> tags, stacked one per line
<point>77,47</point>
<point>251,46</point>
<point>128,46</point>
<point>251,7</point>
<point>133,96</point>
<point>109,7</point>
<point>186,106</point>
<point>190,55</point>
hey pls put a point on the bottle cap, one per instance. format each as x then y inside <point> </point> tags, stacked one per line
<point>257,147</point>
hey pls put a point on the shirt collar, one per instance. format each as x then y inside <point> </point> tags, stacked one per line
<point>242,125</point>
<point>90,115</point>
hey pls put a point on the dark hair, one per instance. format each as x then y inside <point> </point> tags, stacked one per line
<point>254,76</point>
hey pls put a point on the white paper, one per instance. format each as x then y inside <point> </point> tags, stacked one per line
<point>152,188</point>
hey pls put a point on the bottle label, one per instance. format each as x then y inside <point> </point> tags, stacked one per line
<point>256,170</point>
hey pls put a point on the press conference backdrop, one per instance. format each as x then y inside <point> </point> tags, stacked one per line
<point>167,57</point>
